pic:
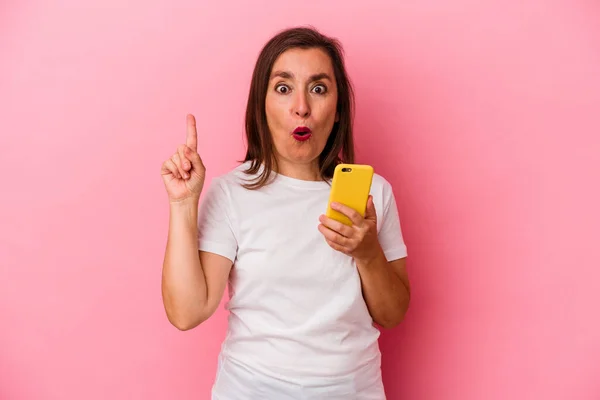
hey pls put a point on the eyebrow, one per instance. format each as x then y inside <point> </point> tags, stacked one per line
<point>289,75</point>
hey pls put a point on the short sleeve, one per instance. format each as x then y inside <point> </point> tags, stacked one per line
<point>215,228</point>
<point>390,233</point>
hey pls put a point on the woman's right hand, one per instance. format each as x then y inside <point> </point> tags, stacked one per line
<point>183,174</point>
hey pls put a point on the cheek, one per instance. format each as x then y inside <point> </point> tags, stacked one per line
<point>275,111</point>
<point>327,114</point>
<point>333,108</point>
<point>328,108</point>
<point>276,122</point>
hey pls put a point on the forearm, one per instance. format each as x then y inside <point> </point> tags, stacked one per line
<point>386,295</point>
<point>183,282</point>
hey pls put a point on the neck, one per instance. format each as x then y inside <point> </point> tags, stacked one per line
<point>301,171</point>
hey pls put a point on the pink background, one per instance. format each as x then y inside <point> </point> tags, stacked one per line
<point>485,116</point>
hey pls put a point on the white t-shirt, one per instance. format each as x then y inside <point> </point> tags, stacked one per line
<point>298,323</point>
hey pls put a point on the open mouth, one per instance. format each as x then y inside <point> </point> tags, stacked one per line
<point>302,133</point>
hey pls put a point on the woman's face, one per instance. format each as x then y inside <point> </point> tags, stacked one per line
<point>301,104</point>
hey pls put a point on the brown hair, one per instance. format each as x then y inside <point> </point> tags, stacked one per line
<point>340,145</point>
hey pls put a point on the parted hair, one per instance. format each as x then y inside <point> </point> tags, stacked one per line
<point>340,145</point>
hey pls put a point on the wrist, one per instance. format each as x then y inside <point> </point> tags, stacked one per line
<point>375,258</point>
<point>190,202</point>
<point>184,210</point>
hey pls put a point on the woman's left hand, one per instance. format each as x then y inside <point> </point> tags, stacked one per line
<point>359,240</point>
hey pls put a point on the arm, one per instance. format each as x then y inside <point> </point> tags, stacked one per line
<point>386,289</point>
<point>384,284</point>
<point>193,282</point>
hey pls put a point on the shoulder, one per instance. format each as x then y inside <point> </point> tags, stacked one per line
<point>231,178</point>
<point>221,190</point>
<point>380,182</point>
<point>230,184</point>
<point>383,195</point>
<point>380,186</point>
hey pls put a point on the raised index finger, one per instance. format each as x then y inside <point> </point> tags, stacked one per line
<point>192,136</point>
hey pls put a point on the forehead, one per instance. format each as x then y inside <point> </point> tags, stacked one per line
<point>303,63</point>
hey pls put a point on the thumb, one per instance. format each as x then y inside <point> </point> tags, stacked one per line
<point>195,159</point>
<point>370,212</point>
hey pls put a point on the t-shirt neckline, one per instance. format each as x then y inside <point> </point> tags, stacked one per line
<point>289,181</point>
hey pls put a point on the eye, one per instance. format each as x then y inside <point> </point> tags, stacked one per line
<point>320,89</point>
<point>283,89</point>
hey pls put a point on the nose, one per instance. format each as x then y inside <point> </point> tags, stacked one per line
<point>301,106</point>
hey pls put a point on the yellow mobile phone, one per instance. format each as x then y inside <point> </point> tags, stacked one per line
<point>351,186</point>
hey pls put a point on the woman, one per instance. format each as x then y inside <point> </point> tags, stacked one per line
<point>304,290</point>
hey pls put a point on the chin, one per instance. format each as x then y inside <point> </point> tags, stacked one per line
<point>301,152</point>
<point>304,154</point>
<point>302,158</point>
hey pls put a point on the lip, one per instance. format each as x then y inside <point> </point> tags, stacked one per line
<point>302,133</point>
<point>302,129</point>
